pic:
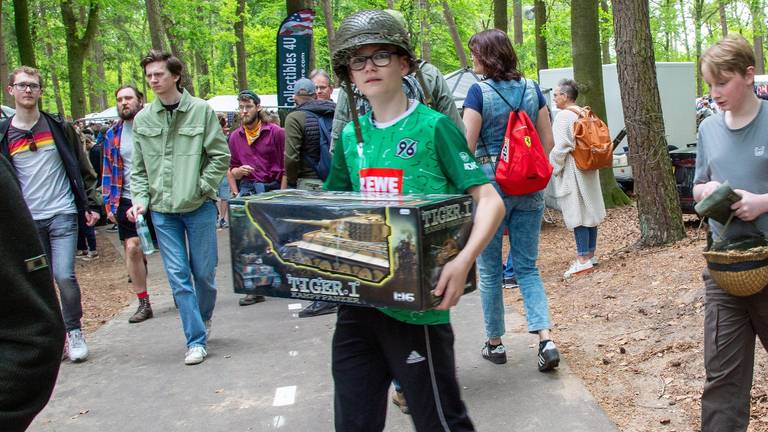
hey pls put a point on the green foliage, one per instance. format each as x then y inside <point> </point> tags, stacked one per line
<point>204,32</point>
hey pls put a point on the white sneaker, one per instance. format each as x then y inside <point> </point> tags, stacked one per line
<point>577,268</point>
<point>207,329</point>
<point>195,355</point>
<point>76,346</point>
<point>594,261</point>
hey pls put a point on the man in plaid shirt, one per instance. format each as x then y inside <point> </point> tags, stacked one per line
<point>116,192</point>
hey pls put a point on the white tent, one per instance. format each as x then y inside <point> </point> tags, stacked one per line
<point>459,82</point>
<point>107,114</point>
<point>228,103</point>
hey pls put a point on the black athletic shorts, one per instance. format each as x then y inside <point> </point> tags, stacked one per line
<point>127,229</point>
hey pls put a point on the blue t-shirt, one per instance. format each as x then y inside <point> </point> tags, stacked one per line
<point>474,97</point>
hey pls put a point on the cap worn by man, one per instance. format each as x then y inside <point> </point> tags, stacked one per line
<point>304,87</point>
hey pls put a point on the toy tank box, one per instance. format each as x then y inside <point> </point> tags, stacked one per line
<point>346,247</point>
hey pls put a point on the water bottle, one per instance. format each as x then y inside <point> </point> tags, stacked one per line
<point>145,238</point>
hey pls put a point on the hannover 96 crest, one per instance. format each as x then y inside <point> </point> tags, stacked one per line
<point>406,148</point>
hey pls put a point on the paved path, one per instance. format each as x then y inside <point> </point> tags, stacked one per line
<point>269,370</point>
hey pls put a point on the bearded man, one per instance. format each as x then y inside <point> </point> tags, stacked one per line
<point>257,150</point>
<point>116,193</point>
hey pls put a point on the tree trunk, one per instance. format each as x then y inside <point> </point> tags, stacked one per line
<point>328,15</point>
<point>390,4</point>
<point>55,81</point>
<point>540,11</point>
<point>119,68</point>
<point>156,30</point>
<point>242,75</point>
<point>517,21</point>
<point>698,10</point>
<point>454,31</point>
<point>426,50</point>
<point>186,81</point>
<point>7,99</point>
<point>723,17</point>
<point>234,76</point>
<point>658,205</point>
<point>588,72</point>
<point>295,6</point>
<point>92,92</point>
<point>500,15</point>
<point>758,29</point>
<point>76,50</point>
<point>55,85</point>
<point>23,33</point>
<point>605,39</point>
<point>685,30</point>
<point>203,75</point>
<point>98,52</point>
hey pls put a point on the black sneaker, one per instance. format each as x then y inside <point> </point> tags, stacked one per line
<point>510,282</point>
<point>112,229</point>
<point>494,353</point>
<point>143,313</point>
<point>317,308</point>
<point>250,299</point>
<point>549,356</point>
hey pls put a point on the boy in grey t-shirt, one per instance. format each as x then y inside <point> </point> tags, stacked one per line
<point>730,148</point>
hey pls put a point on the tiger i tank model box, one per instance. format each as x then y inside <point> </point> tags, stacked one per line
<point>345,247</point>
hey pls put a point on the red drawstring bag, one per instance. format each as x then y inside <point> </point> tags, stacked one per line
<point>522,167</point>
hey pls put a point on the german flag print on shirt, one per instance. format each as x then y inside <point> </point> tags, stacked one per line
<point>40,140</point>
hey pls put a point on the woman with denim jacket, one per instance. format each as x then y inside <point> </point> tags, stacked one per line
<point>486,111</point>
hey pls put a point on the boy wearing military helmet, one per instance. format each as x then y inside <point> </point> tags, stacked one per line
<point>402,147</point>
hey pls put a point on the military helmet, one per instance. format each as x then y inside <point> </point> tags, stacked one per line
<point>367,28</point>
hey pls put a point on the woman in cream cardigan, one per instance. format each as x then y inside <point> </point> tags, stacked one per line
<point>578,192</point>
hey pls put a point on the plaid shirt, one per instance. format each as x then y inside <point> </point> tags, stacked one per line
<point>112,169</point>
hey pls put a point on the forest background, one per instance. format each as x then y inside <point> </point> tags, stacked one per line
<point>86,48</point>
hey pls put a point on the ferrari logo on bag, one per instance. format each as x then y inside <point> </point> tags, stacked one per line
<point>527,140</point>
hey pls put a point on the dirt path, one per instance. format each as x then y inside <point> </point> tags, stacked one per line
<point>633,328</point>
<point>103,284</point>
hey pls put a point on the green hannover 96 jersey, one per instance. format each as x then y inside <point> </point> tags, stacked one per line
<point>422,152</point>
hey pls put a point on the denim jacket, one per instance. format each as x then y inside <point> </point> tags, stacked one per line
<point>496,112</point>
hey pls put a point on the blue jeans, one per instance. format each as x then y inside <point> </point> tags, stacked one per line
<point>59,237</point>
<point>250,187</point>
<point>522,218</point>
<point>174,232</point>
<point>586,240</point>
<point>509,268</point>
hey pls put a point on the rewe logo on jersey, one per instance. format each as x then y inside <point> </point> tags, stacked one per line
<point>383,180</point>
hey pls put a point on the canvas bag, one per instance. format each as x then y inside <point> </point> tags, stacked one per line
<point>593,148</point>
<point>522,167</point>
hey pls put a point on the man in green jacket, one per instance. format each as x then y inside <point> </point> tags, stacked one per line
<point>180,157</point>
